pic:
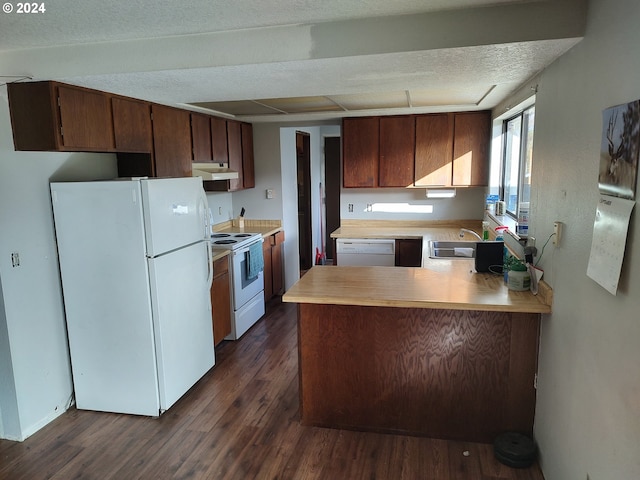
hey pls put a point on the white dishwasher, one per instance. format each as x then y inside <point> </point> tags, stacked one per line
<point>366,251</point>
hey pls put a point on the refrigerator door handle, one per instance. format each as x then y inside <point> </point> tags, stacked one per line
<point>207,245</point>
<point>205,212</point>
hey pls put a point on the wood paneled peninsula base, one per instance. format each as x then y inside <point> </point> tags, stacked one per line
<point>452,373</point>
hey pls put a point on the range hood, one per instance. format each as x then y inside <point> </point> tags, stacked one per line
<point>213,171</point>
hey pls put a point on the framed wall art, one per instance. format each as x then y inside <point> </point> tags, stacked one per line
<point>619,150</point>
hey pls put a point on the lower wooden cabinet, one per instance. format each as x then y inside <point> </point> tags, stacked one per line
<point>273,266</point>
<point>277,265</point>
<point>408,252</point>
<point>221,300</point>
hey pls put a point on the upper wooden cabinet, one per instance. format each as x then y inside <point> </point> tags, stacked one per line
<point>171,141</point>
<point>397,146</point>
<point>234,139</point>
<point>149,139</point>
<point>434,150</point>
<point>48,116</point>
<point>219,140</point>
<point>444,149</point>
<point>248,169</point>
<point>200,138</point>
<point>452,149</point>
<point>378,151</point>
<point>239,150</point>
<point>360,151</point>
<point>132,125</point>
<point>471,138</point>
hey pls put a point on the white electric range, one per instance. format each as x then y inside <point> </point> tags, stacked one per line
<point>248,293</point>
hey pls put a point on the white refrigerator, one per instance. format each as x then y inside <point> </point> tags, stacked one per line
<point>136,271</point>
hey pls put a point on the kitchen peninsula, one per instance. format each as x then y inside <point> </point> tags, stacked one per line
<point>438,351</point>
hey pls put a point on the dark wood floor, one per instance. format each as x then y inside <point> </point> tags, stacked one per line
<point>240,422</point>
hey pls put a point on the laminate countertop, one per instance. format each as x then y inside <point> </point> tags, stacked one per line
<point>449,284</point>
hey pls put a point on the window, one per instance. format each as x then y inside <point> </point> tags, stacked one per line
<point>516,160</point>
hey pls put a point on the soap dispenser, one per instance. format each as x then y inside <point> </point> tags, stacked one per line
<point>505,252</point>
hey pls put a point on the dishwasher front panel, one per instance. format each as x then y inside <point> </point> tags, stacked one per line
<point>366,252</point>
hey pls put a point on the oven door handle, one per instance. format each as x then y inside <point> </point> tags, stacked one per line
<point>244,250</point>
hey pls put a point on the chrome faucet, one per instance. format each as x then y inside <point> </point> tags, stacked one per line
<point>462,230</point>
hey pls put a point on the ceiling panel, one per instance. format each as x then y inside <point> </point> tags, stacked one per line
<point>461,95</point>
<point>302,104</point>
<point>372,101</point>
<point>240,107</point>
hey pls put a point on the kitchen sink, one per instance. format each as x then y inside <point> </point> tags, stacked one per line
<point>452,249</point>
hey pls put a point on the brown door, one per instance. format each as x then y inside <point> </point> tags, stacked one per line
<point>332,191</point>
<point>304,200</point>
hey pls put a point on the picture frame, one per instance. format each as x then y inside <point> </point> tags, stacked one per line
<point>619,150</point>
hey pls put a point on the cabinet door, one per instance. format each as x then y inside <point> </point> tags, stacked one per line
<point>221,300</point>
<point>171,142</point>
<point>434,150</point>
<point>234,139</point>
<point>85,119</point>
<point>248,172</point>
<point>132,125</point>
<point>268,271</point>
<point>360,152</point>
<point>408,252</point>
<point>471,140</point>
<point>276,263</point>
<point>219,140</point>
<point>34,116</point>
<point>397,145</point>
<point>200,138</point>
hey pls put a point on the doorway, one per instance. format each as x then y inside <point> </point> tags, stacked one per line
<point>303,164</point>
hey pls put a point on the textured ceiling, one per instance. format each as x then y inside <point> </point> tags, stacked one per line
<point>72,21</point>
<point>269,60</point>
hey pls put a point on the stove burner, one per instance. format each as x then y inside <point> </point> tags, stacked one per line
<point>235,241</point>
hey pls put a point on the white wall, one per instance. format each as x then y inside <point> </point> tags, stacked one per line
<point>287,152</point>
<point>588,406</point>
<point>221,206</point>
<point>34,357</point>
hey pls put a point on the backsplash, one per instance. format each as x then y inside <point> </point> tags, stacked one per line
<point>221,206</point>
<point>410,204</point>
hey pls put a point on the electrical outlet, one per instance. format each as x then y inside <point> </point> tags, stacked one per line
<point>557,230</point>
<point>351,208</point>
<point>15,259</point>
<point>369,208</point>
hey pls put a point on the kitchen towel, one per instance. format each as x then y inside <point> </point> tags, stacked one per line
<point>254,260</point>
<point>463,252</point>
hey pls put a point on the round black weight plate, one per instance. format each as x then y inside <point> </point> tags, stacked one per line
<point>515,446</point>
<point>509,462</point>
